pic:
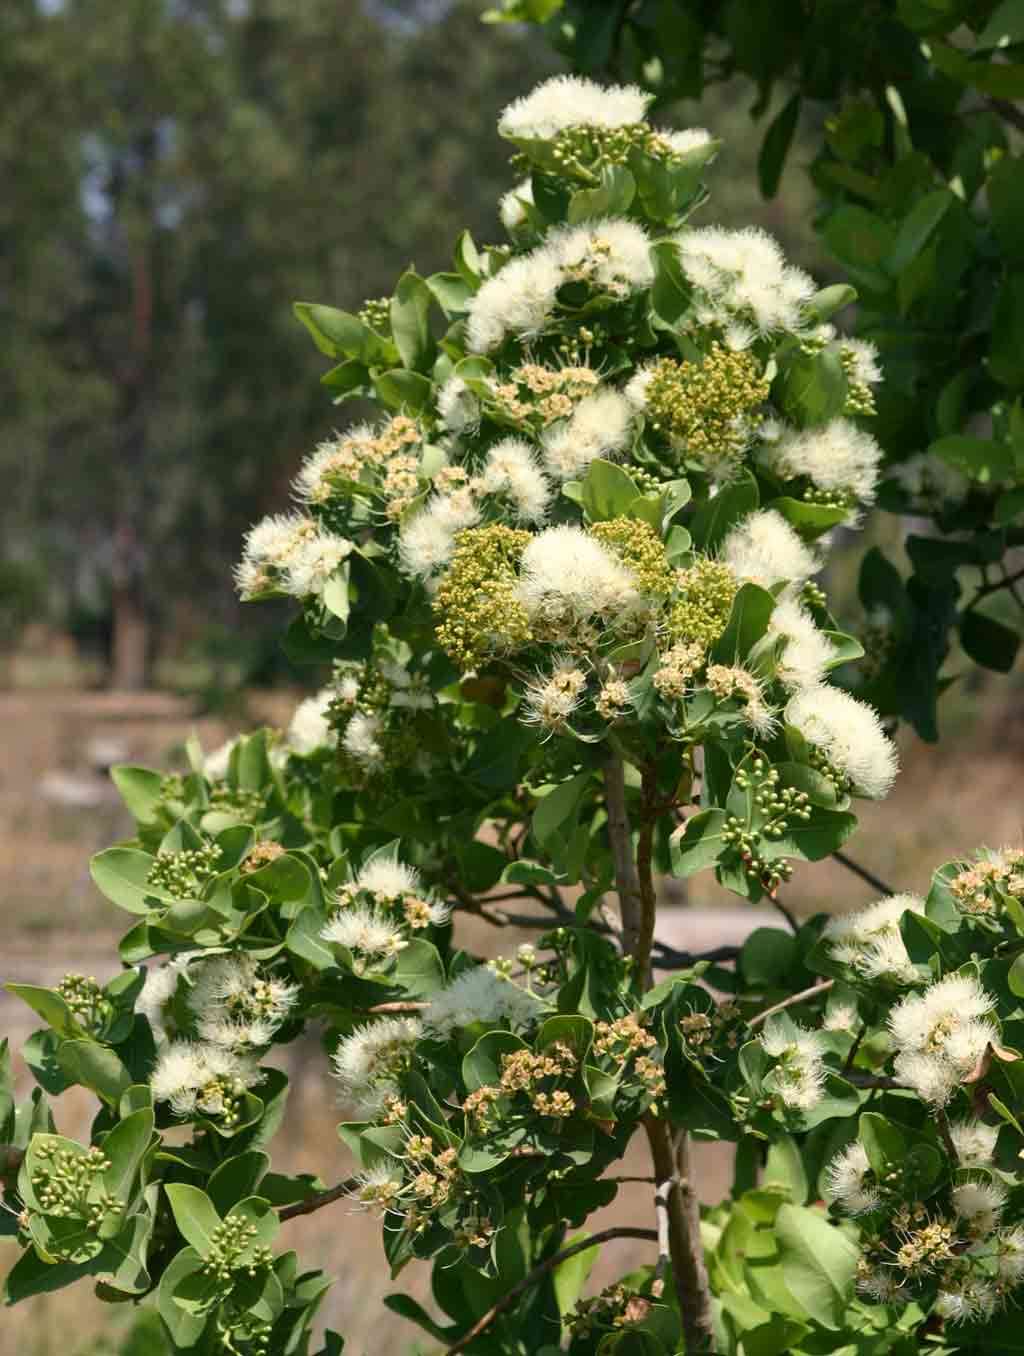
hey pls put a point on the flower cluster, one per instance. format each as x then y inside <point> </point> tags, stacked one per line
<point>941,1035</point>
<point>379,910</point>
<point>982,887</point>
<point>870,943</point>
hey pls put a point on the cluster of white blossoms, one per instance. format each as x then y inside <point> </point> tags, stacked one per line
<point>482,996</point>
<point>290,554</point>
<point>839,460</point>
<point>941,1035</point>
<point>198,1076</point>
<point>745,286</point>
<point>377,913</point>
<point>798,1077</point>
<point>869,940</point>
<point>611,256</point>
<point>567,101</point>
<point>849,734</point>
<point>368,1062</point>
<point>763,549</point>
<point>235,1004</point>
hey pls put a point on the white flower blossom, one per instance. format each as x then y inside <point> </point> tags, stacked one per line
<point>1010,1256</point>
<point>846,1180</point>
<point>367,1062</point>
<point>979,1205</point>
<point>510,209</point>
<point>571,101</point>
<point>568,576</point>
<point>234,1004</point>
<point>763,549</point>
<point>159,988</point>
<point>864,361</point>
<point>940,1035</point>
<point>807,652</point>
<point>387,878</point>
<point>687,140</point>
<point>837,457</point>
<point>600,426</point>
<point>850,735</point>
<point>195,1076</point>
<point>799,1073</point>
<point>368,933</point>
<point>511,469</point>
<point>308,729</point>
<point>745,272</point>
<point>975,1142</point>
<point>361,740</point>
<point>869,939</point>
<point>480,995</point>
<point>516,300</point>
<point>458,406</point>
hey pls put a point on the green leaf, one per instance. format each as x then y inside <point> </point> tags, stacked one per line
<point>184,1324</point>
<point>607,491</point>
<point>785,1166</point>
<point>861,241</point>
<point>982,459</point>
<point>558,807</point>
<point>410,321</point>
<point>1004,80</point>
<point>1004,28</point>
<point>988,642</point>
<point>194,1215</point>
<point>612,196</point>
<point>338,334</point>
<point>96,1067</point>
<point>235,1179</point>
<point>729,506</point>
<point>261,1218</point>
<point>883,1142</point>
<point>406,1307</point>
<point>819,1263</point>
<point>810,520</point>
<point>776,144</point>
<point>403,390</point>
<point>824,304</point>
<point>811,388</point>
<point>1005,191</point>
<point>917,228</point>
<point>126,1146</point>
<point>1006,354</point>
<point>570,1276</point>
<point>48,1004</point>
<point>452,292</point>
<point>570,1029</point>
<point>139,788</point>
<point>813,839</point>
<point>481,1066</point>
<point>767,956</point>
<point>748,621</point>
<point>336,593</point>
<point>671,290</point>
<point>699,844</point>
<point>120,874</point>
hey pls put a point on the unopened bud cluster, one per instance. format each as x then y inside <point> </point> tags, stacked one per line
<point>185,872</point>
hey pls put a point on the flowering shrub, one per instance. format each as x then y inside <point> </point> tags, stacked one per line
<point>566,585</point>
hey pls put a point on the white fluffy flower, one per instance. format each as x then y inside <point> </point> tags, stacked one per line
<point>511,469</point>
<point>637,387</point>
<point>687,140</point>
<point>425,545</point>
<point>941,1034</point>
<point>614,253</point>
<point>975,1142</point>
<point>837,457</point>
<point>387,877</point>
<point>864,361</point>
<point>159,988</point>
<point>808,652</point>
<point>846,1180</point>
<point>869,939</point>
<point>361,740</point>
<point>215,764</point>
<point>850,735</point>
<point>611,255</point>
<point>313,561</point>
<point>274,538</point>
<point>1010,1256</point>
<point>979,1205</point>
<point>516,300</point>
<point>308,729</point>
<point>458,406</point>
<point>799,1072</point>
<point>600,426</point>
<point>745,272</point>
<point>930,481</point>
<point>234,1004</point>
<point>511,209</point>
<point>367,1062</point>
<point>194,1076</point>
<point>480,995</point>
<point>571,101</point>
<point>365,931</point>
<point>763,549</point>
<point>568,576</point>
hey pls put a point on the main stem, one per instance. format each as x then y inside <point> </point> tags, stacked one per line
<point>669,1152</point>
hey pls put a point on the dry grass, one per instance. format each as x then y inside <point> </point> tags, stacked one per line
<point>948,799</point>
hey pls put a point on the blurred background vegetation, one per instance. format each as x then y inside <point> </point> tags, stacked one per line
<point>175,173</point>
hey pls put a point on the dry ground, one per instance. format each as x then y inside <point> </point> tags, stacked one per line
<point>54,812</point>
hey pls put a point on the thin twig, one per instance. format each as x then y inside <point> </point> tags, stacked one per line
<point>661,1195</point>
<point>318,1200</point>
<point>876,1081</point>
<point>1006,582</point>
<point>790,918</point>
<point>539,1272</point>
<point>802,997</point>
<point>645,876</point>
<point>869,877</point>
<point>1008,112</point>
<point>395,1007</point>
<point>942,1121</point>
<point>620,837</point>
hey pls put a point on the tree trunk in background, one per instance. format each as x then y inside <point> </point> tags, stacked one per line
<point>129,650</point>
